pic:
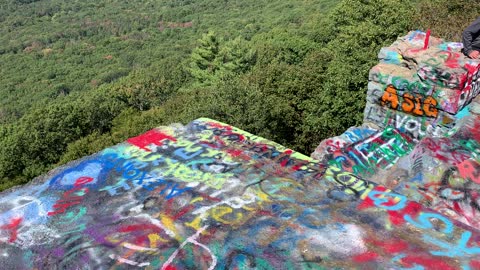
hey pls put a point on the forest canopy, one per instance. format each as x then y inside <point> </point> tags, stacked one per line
<point>78,76</point>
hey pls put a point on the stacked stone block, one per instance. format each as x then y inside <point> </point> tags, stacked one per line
<point>421,90</point>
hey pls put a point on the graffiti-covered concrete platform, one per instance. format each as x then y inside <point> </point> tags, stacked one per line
<point>386,195</point>
<point>210,196</point>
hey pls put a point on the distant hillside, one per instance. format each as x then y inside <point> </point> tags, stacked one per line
<point>79,76</point>
<point>52,48</point>
<point>69,68</point>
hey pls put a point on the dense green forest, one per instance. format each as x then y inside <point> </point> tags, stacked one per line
<point>78,76</point>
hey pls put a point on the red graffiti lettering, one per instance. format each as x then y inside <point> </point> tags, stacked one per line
<point>452,60</point>
<point>150,137</point>
<point>427,262</point>
<point>227,131</point>
<point>365,257</point>
<point>61,207</point>
<point>470,169</point>
<point>12,227</point>
<point>475,264</point>
<point>395,216</point>
<point>390,246</point>
<point>412,209</point>
<point>67,200</point>
<point>83,180</point>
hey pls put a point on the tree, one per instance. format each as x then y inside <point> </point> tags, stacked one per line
<point>204,63</point>
<point>359,29</point>
<point>236,57</point>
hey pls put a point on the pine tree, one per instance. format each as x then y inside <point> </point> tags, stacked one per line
<point>236,57</point>
<point>204,59</point>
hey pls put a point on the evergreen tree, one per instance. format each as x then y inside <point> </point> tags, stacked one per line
<point>204,63</point>
<point>236,57</point>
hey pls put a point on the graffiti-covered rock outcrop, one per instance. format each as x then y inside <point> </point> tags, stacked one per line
<point>421,131</point>
<point>211,196</point>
